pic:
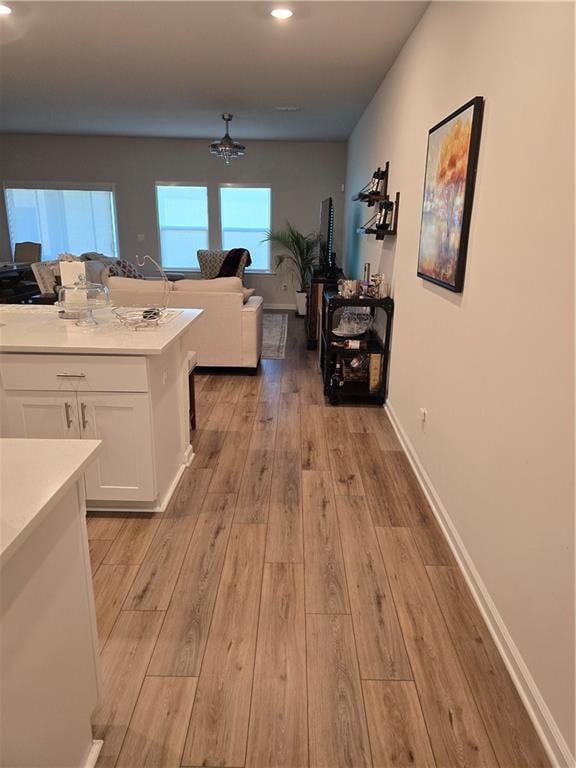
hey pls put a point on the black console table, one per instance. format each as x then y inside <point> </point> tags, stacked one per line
<point>343,380</point>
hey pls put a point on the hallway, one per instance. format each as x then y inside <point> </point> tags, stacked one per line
<point>297,604</point>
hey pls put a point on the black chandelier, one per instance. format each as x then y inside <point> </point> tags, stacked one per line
<point>227,148</point>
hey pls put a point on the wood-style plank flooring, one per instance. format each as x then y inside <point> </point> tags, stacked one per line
<point>297,604</point>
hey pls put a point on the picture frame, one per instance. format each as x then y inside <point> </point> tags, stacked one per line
<point>451,165</point>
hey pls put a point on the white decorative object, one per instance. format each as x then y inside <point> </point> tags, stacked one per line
<point>71,272</point>
<point>146,317</point>
<point>78,300</point>
<point>382,286</point>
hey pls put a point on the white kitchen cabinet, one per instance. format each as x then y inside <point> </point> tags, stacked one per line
<point>124,469</point>
<point>41,415</point>
<point>49,663</point>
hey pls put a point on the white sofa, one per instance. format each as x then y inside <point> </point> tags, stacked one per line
<point>227,334</point>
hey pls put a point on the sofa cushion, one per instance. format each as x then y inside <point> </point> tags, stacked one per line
<point>123,268</point>
<point>217,285</point>
<point>247,293</point>
<point>136,285</point>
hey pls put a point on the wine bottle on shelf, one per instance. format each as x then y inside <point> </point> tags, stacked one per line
<point>336,380</point>
<point>366,279</point>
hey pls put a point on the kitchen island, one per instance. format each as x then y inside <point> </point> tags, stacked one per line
<point>49,665</point>
<point>127,388</point>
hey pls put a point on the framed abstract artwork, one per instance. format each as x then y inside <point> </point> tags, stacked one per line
<point>451,162</point>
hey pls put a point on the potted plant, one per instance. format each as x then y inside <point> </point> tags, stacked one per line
<point>299,255</point>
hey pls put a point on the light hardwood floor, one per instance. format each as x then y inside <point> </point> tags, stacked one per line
<point>297,604</point>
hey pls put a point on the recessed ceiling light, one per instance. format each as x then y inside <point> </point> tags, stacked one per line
<point>294,108</point>
<point>4,10</point>
<point>282,13</point>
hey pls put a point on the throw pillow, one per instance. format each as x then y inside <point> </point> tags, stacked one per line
<point>247,292</point>
<point>123,268</point>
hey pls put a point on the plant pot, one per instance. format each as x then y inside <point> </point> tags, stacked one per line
<point>301,302</point>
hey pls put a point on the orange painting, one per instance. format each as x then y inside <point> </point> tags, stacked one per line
<point>447,196</point>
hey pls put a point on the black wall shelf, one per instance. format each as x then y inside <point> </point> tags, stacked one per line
<point>375,194</point>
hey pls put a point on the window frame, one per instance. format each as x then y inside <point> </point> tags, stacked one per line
<point>63,186</point>
<point>251,185</point>
<point>191,270</point>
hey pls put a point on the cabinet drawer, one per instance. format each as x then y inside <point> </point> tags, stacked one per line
<point>79,373</point>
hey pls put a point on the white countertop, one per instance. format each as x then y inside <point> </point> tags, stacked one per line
<point>39,329</point>
<point>34,475</point>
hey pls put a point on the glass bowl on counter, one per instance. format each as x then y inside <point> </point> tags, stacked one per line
<point>78,301</point>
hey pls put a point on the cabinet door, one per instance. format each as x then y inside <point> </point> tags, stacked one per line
<point>123,470</point>
<point>40,415</point>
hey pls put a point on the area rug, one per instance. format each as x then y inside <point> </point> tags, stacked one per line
<point>274,331</point>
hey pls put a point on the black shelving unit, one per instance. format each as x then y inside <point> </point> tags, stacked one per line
<point>375,194</point>
<point>342,383</point>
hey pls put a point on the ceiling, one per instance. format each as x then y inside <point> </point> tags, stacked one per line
<point>171,68</point>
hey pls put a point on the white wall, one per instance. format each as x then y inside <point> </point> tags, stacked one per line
<point>300,173</point>
<point>493,365</point>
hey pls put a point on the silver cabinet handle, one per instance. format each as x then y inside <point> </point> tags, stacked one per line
<point>68,409</point>
<point>84,419</point>
<point>70,375</point>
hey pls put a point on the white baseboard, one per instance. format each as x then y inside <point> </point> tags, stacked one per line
<point>188,456</point>
<point>538,711</point>
<point>157,507</point>
<point>92,759</point>
<point>280,306</point>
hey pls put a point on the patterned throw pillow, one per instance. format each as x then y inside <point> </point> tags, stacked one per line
<point>123,268</point>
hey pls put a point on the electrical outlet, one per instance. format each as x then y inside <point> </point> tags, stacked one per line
<point>140,238</point>
<point>284,286</point>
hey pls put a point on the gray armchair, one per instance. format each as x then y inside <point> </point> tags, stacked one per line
<point>211,261</point>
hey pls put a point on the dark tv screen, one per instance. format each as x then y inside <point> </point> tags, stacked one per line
<point>326,230</point>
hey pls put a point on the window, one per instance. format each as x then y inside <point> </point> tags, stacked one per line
<point>245,220</point>
<point>72,220</point>
<point>183,223</point>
